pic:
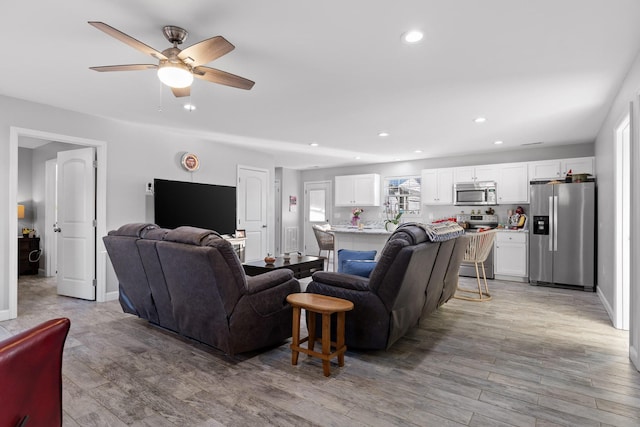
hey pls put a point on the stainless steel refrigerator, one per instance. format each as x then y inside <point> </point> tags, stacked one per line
<point>562,234</point>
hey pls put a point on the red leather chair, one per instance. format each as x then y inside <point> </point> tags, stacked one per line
<point>31,376</point>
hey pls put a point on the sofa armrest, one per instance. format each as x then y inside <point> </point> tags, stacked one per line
<point>261,282</point>
<point>341,280</point>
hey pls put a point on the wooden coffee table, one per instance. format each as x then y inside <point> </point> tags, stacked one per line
<point>302,266</point>
<point>324,305</point>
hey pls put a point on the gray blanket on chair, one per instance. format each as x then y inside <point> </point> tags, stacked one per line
<point>439,232</point>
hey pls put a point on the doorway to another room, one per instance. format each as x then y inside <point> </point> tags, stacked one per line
<point>317,211</point>
<point>92,203</point>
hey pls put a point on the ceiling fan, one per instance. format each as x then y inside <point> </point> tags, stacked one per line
<point>176,67</point>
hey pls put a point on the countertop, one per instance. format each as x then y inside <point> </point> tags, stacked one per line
<point>356,230</point>
<point>506,230</point>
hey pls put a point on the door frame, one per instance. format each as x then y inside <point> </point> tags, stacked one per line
<point>50,217</point>
<point>634,292</point>
<point>622,222</point>
<point>101,209</point>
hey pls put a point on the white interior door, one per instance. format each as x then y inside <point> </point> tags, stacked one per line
<point>317,210</point>
<point>76,226</point>
<point>252,210</point>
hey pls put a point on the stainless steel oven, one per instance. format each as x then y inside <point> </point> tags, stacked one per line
<point>473,223</point>
<point>475,193</point>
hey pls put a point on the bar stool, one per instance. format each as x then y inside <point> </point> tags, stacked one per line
<point>326,306</point>
<point>480,244</point>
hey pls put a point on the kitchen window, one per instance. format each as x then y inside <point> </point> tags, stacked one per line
<point>403,194</point>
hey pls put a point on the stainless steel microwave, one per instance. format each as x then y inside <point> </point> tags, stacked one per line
<point>475,193</point>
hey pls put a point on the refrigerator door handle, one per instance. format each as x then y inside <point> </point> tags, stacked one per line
<point>555,223</point>
<point>551,233</point>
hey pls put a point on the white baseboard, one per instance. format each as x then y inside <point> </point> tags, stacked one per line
<point>607,307</point>
<point>110,296</point>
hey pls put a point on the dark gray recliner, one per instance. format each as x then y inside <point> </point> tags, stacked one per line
<point>412,278</point>
<point>190,280</point>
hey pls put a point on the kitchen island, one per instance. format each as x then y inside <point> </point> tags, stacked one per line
<point>365,239</point>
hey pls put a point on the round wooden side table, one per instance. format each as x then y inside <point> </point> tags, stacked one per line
<point>319,304</point>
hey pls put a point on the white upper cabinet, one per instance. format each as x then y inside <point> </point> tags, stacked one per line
<point>361,190</point>
<point>547,169</point>
<point>437,186</point>
<point>513,183</point>
<point>578,165</point>
<point>557,169</point>
<point>475,173</point>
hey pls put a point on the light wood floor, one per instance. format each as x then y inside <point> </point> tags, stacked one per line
<point>530,357</point>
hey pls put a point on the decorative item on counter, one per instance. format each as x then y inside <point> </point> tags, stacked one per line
<point>567,177</point>
<point>269,259</point>
<point>356,215</point>
<point>286,257</point>
<point>391,223</point>
<point>518,220</point>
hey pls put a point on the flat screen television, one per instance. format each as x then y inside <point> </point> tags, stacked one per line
<point>208,206</point>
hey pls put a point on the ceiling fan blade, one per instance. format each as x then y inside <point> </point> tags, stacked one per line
<point>130,67</point>
<point>206,51</point>
<point>180,92</point>
<point>124,38</point>
<point>222,77</point>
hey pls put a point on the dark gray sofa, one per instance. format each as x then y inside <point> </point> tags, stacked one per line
<point>190,280</point>
<point>412,278</point>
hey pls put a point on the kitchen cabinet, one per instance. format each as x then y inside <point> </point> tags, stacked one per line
<point>512,183</point>
<point>437,186</point>
<point>577,165</point>
<point>475,173</point>
<point>357,190</point>
<point>511,255</point>
<point>557,169</point>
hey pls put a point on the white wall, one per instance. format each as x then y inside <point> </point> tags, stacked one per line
<point>135,155</point>
<point>606,171</point>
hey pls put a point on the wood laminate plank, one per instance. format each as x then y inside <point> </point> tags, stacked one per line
<point>532,356</point>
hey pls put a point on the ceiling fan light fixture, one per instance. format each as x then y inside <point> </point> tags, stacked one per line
<point>175,74</point>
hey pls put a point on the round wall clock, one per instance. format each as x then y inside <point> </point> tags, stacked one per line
<point>190,162</point>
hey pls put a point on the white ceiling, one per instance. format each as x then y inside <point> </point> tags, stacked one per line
<point>336,73</point>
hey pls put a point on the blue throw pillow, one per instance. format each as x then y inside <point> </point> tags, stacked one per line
<point>359,267</point>
<point>347,254</point>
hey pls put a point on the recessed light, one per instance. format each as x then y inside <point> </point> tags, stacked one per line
<point>314,144</point>
<point>498,142</point>
<point>418,151</point>
<point>480,119</point>
<point>413,36</point>
<point>189,107</point>
<point>357,157</point>
<point>383,134</point>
